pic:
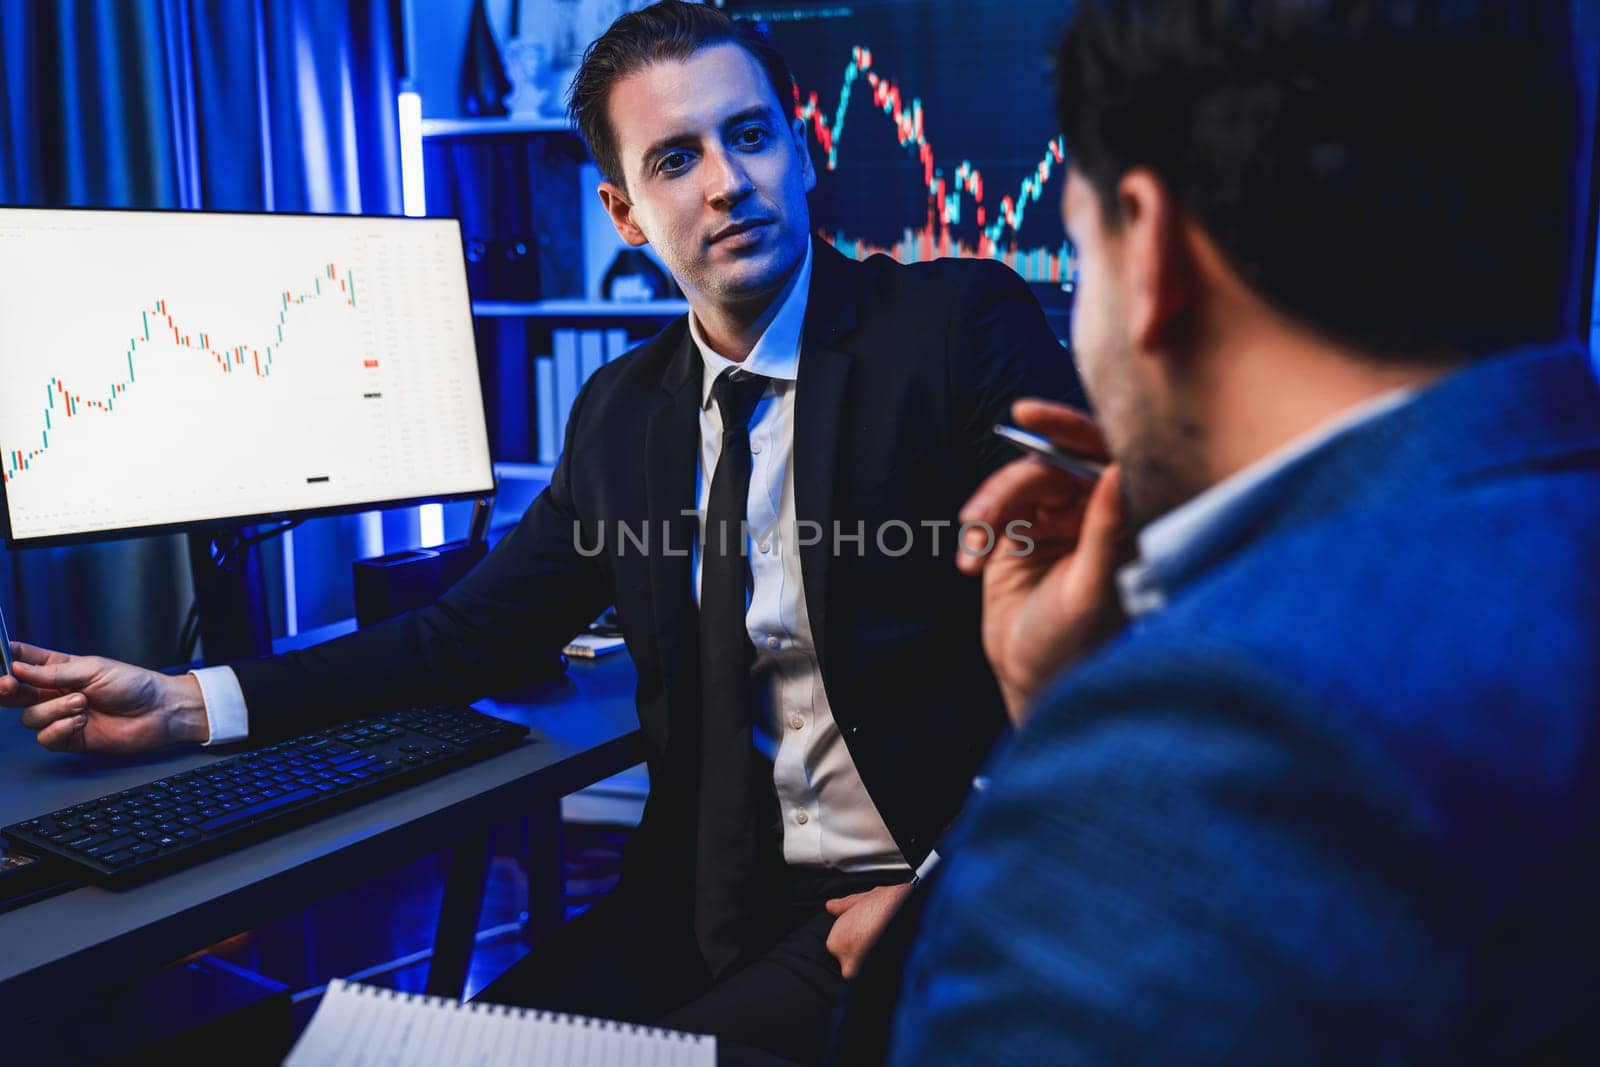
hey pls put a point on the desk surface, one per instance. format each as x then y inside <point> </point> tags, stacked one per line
<point>584,728</point>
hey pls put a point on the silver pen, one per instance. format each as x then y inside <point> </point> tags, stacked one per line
<point>1073,462</point>
<point>5,645</point>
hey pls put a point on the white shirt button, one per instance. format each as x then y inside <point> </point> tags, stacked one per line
<point>797,722</point>
<point>765,546</point>
<point>801,817</point>
<point>774,643</point>
<point>755,448</point>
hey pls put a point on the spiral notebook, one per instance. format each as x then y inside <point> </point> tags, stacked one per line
<point>364,1026</point>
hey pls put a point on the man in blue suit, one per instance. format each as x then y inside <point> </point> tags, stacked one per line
<point>1308,683</point>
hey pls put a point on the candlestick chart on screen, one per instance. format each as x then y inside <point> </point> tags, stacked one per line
<point>932,129</point>
<point>161,366</point>
<point>155,325</point>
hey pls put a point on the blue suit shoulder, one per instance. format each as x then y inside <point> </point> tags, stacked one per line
<point>1453,627</point>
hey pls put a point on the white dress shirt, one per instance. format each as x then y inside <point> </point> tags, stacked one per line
<point>829,820</point>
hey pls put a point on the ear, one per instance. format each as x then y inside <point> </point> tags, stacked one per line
<point>1156,268</point>
<point>802,144</point>
<point>620,208</point>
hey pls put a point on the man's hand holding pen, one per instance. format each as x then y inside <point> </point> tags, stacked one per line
<point>1046,605</point>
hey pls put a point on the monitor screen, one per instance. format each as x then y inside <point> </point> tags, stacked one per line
<point>165,369</point>
<point>932,127</point>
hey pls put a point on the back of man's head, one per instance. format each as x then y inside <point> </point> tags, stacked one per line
<point>1394,175</point>
<point>668,30</point>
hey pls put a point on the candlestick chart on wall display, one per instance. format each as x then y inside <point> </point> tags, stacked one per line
<point>932,128</point>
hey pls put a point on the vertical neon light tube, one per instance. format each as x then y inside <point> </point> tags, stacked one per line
<point>430,517</point>
<point>430,525</point>
<point>411,185</point>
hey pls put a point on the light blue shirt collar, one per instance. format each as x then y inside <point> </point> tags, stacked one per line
<point>1176,546</point>
<point>777,352</point>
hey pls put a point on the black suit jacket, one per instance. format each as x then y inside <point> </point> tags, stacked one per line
<point>903,370</point>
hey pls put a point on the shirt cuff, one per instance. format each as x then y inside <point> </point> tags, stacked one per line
<point>225,710</point>
<point>927,867</point>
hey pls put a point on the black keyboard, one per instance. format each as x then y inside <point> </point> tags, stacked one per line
<point>174,822</point>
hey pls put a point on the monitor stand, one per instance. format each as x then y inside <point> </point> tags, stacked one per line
<point>232,597</point>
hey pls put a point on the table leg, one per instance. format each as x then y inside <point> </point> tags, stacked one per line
<point>457,931</point>
<point>546,884</point>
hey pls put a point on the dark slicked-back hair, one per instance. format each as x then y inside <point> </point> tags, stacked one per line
<point>1395,174</point>
<point>669,30</point>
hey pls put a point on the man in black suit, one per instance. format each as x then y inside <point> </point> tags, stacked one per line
<point>843,411</point>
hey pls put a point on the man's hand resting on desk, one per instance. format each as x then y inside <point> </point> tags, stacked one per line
<point>1044,609</point>
<point>94,704</point>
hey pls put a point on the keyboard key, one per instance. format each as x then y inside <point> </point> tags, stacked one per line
<point>84,841</point>
<point>222,821</point>
<point>110,845</point>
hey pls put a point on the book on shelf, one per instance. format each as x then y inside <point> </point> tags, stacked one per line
<point>544,394</point>
<point>591,353</point>
<point>564,344</point>
<point>616,344</point>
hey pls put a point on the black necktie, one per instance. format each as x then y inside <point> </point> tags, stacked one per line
<point>731,841</point>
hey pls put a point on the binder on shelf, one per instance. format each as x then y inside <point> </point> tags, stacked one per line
<point>591,353</point>
<point>565,346</point>
<point>616,344</point>
<point>544,394</point>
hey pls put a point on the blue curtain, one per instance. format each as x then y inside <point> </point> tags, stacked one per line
<point>277,105</point>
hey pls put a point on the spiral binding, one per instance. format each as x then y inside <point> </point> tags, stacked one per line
<point>583,1022</point>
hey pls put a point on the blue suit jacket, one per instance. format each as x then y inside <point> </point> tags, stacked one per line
<point>1338,801</point>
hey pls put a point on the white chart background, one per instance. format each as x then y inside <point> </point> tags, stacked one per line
<point>187,441</point>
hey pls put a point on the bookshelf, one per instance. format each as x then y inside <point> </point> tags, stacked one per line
<point>515,183</point>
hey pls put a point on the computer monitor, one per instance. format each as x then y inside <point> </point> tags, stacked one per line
<point>166,370</point>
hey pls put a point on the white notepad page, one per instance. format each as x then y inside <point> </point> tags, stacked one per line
<point>364,1026</point>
